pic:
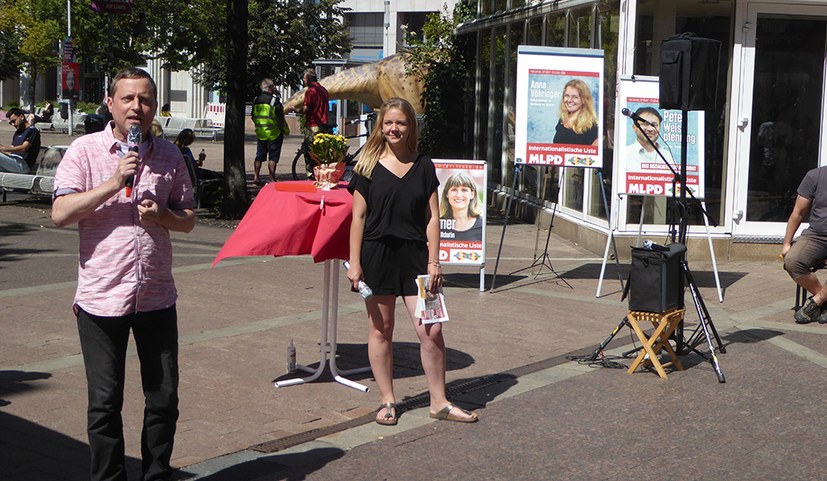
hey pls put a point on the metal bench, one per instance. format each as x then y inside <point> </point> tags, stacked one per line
<point>63,125</point>
<point>42,181</point>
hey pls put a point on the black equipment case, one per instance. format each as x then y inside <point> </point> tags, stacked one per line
<point>656,280</point>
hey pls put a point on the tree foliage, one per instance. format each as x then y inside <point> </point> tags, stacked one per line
<point>444,62</point>
<point>30,32</point>
<point>10,58</point>
<point>285,36</point>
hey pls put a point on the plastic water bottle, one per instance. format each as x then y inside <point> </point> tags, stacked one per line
<point>291,356</point>
<point>364,290</point>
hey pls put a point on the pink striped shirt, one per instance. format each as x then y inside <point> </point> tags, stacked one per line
<point>125,266</point>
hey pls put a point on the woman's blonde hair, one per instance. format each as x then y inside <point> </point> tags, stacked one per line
<point>376,143</point>
<point>458,180</point>
<point>586,117</point>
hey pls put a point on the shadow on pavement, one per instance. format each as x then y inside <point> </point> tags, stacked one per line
<point>29,451</point>
<point>406,361</point>
<point>9,255</point>
<point>12,382</point>
<point>472,280</point>
<point>290,466</point>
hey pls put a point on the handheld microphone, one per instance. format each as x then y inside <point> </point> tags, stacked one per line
<point>649,245</point>
<point>133,141</point>
<point>634,116</point>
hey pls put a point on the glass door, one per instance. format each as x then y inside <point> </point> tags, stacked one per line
<point>779,126</point>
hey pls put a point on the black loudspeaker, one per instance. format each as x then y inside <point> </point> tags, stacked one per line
<point>656,280</point>
<point>688,72</point>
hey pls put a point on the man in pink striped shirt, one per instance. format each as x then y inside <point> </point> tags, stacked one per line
<point>125,271</point>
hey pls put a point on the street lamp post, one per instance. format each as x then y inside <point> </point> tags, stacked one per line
<point>387,45</point>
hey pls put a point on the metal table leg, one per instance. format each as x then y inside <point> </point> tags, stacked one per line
<point>327,346</point>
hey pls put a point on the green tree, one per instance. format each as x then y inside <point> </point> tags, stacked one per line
<point>285,36</point>
<point>235,199</point>
<point>443,61</point>
<point>10,58</point>
<point>269,38</point>
<point>212,38</point>
<point>33,24</point>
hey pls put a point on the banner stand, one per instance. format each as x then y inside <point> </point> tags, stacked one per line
<point>462,248</point>
<point>505,223</point>
<point>542,260</point>
<point>712,254</point>
<point>609,239</point>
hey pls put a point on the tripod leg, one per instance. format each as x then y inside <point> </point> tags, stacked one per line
<point>696,297</point>
<point>606,341</point>
<point>700,301</point>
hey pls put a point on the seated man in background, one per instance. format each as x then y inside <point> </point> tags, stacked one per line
<point>20,156</point>
<point>809,251</point>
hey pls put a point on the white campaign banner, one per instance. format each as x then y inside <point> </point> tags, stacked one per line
<point>559,109</point>
<point>462,201</point>
<point>641,170</point>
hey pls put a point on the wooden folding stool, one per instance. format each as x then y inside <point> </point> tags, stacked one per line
<point>664,325</point>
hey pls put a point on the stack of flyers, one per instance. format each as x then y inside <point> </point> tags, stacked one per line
<point>429,307</point>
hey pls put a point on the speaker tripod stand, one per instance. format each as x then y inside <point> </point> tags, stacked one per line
<point>678,230</point>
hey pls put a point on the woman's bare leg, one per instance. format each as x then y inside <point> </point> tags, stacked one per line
<point>432,354</point>
<point>380,345</point>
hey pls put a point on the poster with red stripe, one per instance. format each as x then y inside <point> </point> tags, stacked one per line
<point>462,201</point>
<point>559,108</point>
<point>649,155</point>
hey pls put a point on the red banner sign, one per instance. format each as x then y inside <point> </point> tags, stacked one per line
<point>70,76</point>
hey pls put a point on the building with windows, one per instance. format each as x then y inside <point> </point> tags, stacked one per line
<point>766,130</point>
<point>378,26</point>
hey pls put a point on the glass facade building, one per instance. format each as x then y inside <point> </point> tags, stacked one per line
<point>765,130</point>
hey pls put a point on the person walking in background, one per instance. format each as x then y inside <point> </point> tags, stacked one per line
<point>578,117</point>
<point>394,237</point>
<point>125,272</point>
<point>314,110</point>
<point>268,118</point>
<point>21,155</point>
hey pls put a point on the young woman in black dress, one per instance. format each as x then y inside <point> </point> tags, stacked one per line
<point>393,238</point>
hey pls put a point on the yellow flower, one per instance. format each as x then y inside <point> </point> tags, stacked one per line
<point>328,148</point>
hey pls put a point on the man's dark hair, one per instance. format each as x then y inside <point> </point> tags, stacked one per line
<point>16,111</point>
<point>311,75</point>
<point>649,110</point>
<point>133,73</point>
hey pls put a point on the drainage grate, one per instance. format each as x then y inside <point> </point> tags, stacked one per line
<point>415,402</point>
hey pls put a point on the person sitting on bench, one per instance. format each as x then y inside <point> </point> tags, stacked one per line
<point>809,251</point>
<point>20,156</point>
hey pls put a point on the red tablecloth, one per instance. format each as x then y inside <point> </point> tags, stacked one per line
<point>283,223</point>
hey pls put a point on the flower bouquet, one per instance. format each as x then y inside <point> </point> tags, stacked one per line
<point>328,151</point>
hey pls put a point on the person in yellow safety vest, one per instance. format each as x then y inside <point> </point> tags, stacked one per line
<point>268,118</point>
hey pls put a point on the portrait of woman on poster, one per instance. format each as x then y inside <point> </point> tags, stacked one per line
<point>459,209</point>
<point>578,117</point>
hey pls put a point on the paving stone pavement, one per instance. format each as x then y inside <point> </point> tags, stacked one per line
<point>543,416</point>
